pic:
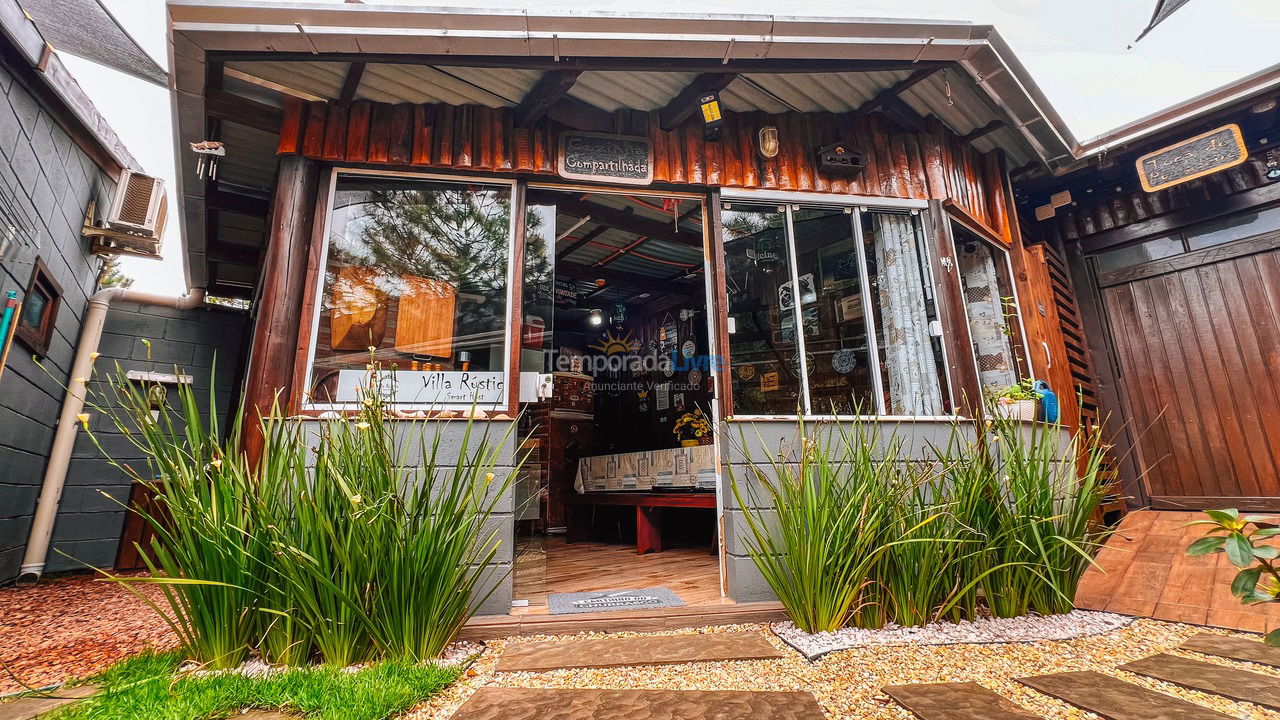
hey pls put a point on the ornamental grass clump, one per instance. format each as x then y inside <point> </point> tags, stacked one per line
<point>352,539</point>
<point>847,529</point>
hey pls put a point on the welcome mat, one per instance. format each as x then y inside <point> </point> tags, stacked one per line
<point>609,600</point>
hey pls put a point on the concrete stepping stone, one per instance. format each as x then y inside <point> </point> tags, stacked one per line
<point>646,650</point>
<point>955,701</point>
<point>1234,648</point>
<point>1228,682</point>
<point>26,708</point>
<point>583,704</point>
<point>1115,699</point>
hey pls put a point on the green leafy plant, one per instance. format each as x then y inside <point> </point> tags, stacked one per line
<point>1241,539</point>
<point>352,539</point>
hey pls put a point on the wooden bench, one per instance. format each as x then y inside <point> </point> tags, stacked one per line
<point>648,507</point>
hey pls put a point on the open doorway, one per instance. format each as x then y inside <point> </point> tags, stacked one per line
<point>619,493</point>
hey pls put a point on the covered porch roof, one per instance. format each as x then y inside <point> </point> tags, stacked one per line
<point>236,61</point>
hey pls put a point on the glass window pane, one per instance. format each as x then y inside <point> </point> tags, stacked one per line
<point>539,288</point>
<point>417,271</point>
<point>991,310</point>
<point>763,370</point>
<point>33,307</point>
<point>1137,254</point>
<point>1234,227</point>
<point>912,368</point>
<point>837,352</point>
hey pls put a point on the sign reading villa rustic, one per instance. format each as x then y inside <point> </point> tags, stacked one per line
<point>606,158</point>
<point>1192,158</point>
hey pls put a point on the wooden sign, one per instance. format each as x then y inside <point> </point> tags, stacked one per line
<point>840,159</point>
<point>1192,158</point>
<point>599,157</point>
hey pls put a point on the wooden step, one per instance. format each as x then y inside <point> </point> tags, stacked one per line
<point>1228,682</point>
<point>1234,648</point>
<point>644,650</point>
<point>1115,699</point>
<point>955,701</point>
<point>26,708</point>
<point>585,704</point>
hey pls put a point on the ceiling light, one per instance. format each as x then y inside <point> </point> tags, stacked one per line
<point>595,317</point>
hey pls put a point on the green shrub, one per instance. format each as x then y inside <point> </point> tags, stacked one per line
<point>1002,517</point>
<point>1241,539</point>
<point>334,546</point>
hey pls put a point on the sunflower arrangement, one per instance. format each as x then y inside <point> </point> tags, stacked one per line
<point>692,426</point>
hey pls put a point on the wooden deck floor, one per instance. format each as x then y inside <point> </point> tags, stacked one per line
<point>1145,571</point>
<point>553,566</point>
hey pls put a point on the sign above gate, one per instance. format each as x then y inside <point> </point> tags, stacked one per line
<point>1192,158</point>
<point>605,158</point>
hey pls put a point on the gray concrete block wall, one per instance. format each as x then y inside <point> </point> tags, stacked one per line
<point>747,441</point>
<point>415,440</point>
<point>50,183</point>
<point>205,343</point>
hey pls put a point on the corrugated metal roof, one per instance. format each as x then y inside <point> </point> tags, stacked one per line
<point>639,90</point>
<point>251,156</point>
<point>321,79</point>
<point>426,84</point>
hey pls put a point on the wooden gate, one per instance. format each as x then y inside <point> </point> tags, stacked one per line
<point>1196,343</point>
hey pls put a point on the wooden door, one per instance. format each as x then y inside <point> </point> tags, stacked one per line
<point>1196,344</point>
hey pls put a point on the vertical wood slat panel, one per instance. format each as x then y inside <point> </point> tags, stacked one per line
<point>930,165</point>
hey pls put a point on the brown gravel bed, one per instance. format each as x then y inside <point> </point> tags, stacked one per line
<point>72,627</point>
<point>847,683</point>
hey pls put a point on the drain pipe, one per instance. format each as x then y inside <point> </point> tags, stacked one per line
<point>55,473</point>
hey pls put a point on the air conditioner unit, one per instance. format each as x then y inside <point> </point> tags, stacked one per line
<point>139,206</point>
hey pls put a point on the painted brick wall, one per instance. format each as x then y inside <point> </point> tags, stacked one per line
<point>49,183</point>
<point>204,343</point>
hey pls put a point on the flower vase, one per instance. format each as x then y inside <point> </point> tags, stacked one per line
<point>689,443</point>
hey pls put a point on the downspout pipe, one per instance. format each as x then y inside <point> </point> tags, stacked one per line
<point>55,473</point>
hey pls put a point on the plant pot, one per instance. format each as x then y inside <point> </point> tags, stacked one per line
<point>1016,410</point>
<point>689,443</point>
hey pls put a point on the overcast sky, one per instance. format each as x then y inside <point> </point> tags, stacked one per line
<point>1075,49</point>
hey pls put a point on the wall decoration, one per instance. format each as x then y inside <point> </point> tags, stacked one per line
<point>678,402</point>
<point>840,159</point>
<point>688,348</point>
<point>1192,158</point>
<point>424,324</point>
<point>770,381</point>
<point>695,377</point>
<point>808,293</point>
<point>358,317</point>
<point>598,156</point>
<point>746,372</point>
<point>662,396</point>
<point>809,361</point>
<point>668,336</point>
<point>849,308</point>
<point>844,361</point>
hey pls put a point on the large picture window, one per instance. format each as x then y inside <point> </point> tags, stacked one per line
<point>417,279</point>
<point>830,312</point>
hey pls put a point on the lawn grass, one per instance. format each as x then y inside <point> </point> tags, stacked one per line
<point>148,686</point>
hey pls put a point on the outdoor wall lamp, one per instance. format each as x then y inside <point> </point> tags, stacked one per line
<point>768,141</point>
<point>712,118</point>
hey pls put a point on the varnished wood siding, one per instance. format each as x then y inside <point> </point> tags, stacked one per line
<point>930,165</point>
<point>1199,357</point>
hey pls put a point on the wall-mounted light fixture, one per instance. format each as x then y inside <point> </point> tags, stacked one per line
<point>712,119</point>
<point>768,141</point>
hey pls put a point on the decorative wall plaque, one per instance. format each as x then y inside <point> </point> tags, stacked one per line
<point>605,158</point>
<point>1192,158</point>
<point>840,159</point>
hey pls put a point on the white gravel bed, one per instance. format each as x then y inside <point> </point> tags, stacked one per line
<point>1028,628</point>
<point>456,654</point>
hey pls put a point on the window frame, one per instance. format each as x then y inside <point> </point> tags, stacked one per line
<point>515,237</point>
<point>37,339</point>
<point>855,206</point>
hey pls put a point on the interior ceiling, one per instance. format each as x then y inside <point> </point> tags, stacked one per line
<point>250,162</point>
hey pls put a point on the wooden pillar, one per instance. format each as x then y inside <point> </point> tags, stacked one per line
<point>277,313</point>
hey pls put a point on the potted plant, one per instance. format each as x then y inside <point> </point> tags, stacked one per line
<point>693,429</point>
<point>1016,402</point>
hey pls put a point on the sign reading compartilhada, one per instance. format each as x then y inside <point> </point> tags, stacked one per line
<point>1192,158</point>
<point>600,157</point>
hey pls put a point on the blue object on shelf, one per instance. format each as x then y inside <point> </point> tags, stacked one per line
<point>1048,411</point>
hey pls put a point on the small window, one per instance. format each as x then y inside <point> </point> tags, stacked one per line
<point>39,310</point>
<point>1232,227</point>
<point>992,311</point>
<point>1143,252</point>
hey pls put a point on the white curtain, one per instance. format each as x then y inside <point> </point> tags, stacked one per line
<point>912,372</point>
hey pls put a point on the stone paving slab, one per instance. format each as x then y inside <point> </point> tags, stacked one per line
<point>1115,699</point>
<point>574,704</point>
<point>1234,648</point>
<point>1228,682</point>
<point>955,701</point>
<point>26,708</point>
<point>645,650</point>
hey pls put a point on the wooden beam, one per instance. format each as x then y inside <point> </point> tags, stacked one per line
<point>614,277</point>
<point>230,107</point>
<point>700,65</point>
<point>580,115</point>
<point>550,89</point>
<point>355,73</point>
<point>597,232</point>
<point>684,104</point>
<point>893,91</point>
<point>983,131</point>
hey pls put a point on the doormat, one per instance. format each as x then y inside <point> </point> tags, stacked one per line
<point>608,600</point>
